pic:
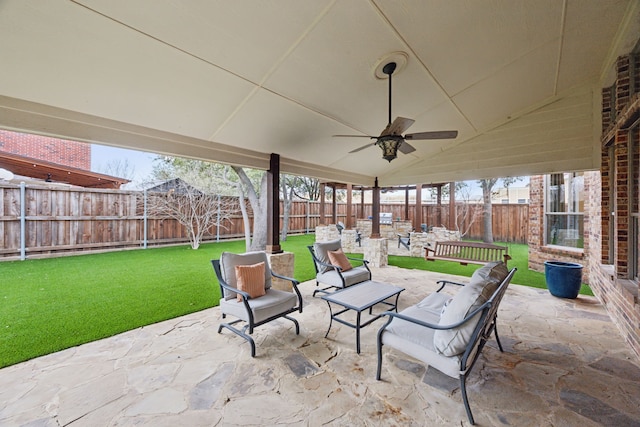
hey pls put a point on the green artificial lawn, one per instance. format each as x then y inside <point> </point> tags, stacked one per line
<point>53,304</point>
<point>519,258</point>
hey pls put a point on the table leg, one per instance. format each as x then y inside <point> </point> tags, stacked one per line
<point>395,308</point>
<point>330,319</point>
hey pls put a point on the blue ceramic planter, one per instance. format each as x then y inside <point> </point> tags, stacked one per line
<point>563,278</point>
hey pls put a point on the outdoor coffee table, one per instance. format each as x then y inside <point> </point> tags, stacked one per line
<point>359,298</point>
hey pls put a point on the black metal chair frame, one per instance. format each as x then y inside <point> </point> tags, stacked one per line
<point>251,325</point>
<point>317,262</point>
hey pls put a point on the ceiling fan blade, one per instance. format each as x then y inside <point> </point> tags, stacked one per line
<point>353,136</point>
<point>406,148</point>
<point>438,134</point>
<point>399,125</point>
<point>363,147</point>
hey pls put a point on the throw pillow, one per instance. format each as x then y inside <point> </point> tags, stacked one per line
<point>251,279</point>
<point>339,259</point>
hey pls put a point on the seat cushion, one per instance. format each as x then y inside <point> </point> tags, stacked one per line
<point>273,303</point>
<point>412,332</point>
<point>339,259</point>
<point>483,284</point>
<point>228,262</point>
<point>250,279</point>
<point>417,341</point>
<point>321,250</point>
<point>351,277</point>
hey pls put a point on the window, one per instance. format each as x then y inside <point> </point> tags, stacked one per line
<point>634,203</point>
<point>564,210</point>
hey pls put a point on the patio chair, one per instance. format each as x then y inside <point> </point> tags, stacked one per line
<point>404,240</point>
<point>339,272</point>
<point>449,333</point>
<point>246,293</point>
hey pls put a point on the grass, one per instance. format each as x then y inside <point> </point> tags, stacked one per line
<point>520,259</point>
<point>53,304</point>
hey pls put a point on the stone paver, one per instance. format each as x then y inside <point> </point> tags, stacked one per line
<point>564,364</point>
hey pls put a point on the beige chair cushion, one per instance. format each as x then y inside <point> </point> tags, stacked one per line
<point>339,259</point>
<point>322,249</point>
<point>228,262</point>
<point>250,278</point>
<point>482,285</point>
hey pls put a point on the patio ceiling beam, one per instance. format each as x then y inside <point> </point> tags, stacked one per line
<point>31,117</point>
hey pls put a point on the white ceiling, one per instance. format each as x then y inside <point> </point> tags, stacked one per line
<point>234,81</point>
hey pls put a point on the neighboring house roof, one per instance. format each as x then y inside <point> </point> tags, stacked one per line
<point>52,172</point>
<point>176,184</point>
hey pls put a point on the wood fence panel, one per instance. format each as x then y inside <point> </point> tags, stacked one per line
<point>68,220</point>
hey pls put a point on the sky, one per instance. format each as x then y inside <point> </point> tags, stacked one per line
<point>101,155</point>
<point>142,162</point>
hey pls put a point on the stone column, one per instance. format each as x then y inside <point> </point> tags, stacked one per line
<point>282,263</point>
<point>418,242</point>
<point>376,252</point>
<point>348,243</point>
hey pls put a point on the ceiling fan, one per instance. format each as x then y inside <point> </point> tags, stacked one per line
<point>391,139</point>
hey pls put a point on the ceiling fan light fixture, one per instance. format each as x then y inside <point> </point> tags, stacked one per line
<point>389,145</point>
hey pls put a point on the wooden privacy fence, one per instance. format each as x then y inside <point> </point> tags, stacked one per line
<point>41,221</point>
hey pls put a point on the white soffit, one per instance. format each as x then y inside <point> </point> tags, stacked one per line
<point>554,138</point>
<point>283,76</point>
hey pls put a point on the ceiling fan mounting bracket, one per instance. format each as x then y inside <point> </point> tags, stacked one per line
<point>399,58</point>
<point>389,68</point>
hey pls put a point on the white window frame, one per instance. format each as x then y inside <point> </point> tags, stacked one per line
<point>568,234</point>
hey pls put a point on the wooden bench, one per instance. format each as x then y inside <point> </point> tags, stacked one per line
<point>467,252</point>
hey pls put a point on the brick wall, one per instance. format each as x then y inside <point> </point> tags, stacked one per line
<point>538,252</point>
<point>617,192</point>
<point>54,150</point>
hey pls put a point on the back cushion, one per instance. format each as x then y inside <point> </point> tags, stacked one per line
<point>322,249</point>
<point>482,285</point>
<point>228,262</point>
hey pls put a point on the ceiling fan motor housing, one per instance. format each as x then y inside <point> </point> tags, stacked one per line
<point>389,145</point>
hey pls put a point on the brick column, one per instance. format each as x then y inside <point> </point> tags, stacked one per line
<point>621,203</point>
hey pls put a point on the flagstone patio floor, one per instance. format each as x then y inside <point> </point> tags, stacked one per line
<point>565,364</point>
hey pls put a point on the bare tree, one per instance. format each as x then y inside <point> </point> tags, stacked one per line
<point>467,212</point>
<point>258,202</point>
<point>121,168</point>
<point>487,211</point>
<point>287,192</point>
<point>196,210</point>
<point>487,218</point>
<point>306,188</point>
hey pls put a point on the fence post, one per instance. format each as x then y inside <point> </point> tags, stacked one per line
<point>306,219</point>
<point>218,221</point>
<point>144,220</point>
<point>23,212</point>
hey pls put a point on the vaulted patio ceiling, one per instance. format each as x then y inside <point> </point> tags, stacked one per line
<point>233,81</point>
